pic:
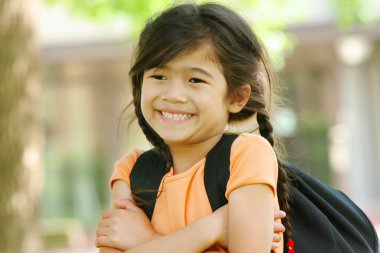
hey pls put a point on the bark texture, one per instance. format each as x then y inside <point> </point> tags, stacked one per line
<point>20,156</point>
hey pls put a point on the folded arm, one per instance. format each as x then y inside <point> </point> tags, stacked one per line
<point>125,228</point>
<point>248,232</point>
<point>120,191</point>
<point>195,237</point>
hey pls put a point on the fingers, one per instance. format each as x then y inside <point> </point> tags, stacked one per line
<point>108,213</point>
<point>279,214</point>
<point>276,238</point>
<point>276,241</point>
<point>278,228</point>
<point>104,241</point>
<point>105,223</point>
<point>111,217</point>
<point>104,231</point>
<point>107,237</point>
<point>275,245</point>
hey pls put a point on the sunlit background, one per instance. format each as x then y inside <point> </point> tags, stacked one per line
<point>326,53</point>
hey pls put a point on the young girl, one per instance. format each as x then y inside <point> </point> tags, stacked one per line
<point>198,70</point>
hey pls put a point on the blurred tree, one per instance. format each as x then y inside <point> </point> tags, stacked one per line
<point>19,152</point>
<point>354,12</point>
<point>18,90</point>
<point>268,17</point>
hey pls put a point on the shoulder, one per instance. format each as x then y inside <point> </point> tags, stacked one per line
<point>251,143</point>
<point>123,167</point>
<point>128,160</point>
<point>252,137</point>
<point>140,161</point>
<point>252,161</point>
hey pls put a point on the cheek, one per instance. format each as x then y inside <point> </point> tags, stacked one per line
<point>146,100</point>
<point>144,103</point>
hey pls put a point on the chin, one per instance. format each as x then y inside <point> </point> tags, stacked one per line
<point>173,139</point>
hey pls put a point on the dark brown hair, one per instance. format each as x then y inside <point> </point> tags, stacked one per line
<point>239,53</point>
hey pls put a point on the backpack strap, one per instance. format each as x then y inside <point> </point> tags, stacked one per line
<point>145,179</point>
<point>149,169</point>
<point>217,171</point>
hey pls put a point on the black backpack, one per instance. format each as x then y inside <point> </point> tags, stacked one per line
<point>323,219</point>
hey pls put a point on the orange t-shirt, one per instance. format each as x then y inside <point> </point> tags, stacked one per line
<point>183,198</point>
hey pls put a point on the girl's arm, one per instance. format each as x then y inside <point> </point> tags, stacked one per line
<point>247,232</point>
<point>218,222</point>
<point>130,225</point>
<point>195,237</point>
<point>109,250</point>
<point>120,191</point>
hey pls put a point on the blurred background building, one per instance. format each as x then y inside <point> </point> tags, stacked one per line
<point>330,123</point>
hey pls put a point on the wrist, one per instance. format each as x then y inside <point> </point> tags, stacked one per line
<point>150,236</point>
<point>201,233</point>
<point>210,229</point>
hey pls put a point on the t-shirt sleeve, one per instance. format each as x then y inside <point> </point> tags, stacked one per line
<point>253,161</point>
<point>123,167</point>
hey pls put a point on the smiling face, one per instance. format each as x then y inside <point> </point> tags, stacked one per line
<point>185,101</point>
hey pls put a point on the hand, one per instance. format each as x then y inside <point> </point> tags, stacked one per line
<point>277,228</point>
<point>124,227</point>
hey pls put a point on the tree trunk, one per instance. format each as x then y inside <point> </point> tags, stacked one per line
<point>20,159</point>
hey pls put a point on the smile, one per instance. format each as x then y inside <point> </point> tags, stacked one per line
<point>176,116</point>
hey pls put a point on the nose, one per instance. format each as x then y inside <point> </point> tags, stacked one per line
<point>175,92</point>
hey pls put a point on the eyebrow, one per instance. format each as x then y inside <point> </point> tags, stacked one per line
<point>195,69</point>
<point>202,71</point>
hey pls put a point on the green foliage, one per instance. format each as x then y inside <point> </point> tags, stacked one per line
<point>268,17</point>
<point>135,12</point>
<point>353,12</point>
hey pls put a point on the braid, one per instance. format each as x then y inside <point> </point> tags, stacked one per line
<point>283,188</point>
<point>149,133</point>
<point>265,127</point>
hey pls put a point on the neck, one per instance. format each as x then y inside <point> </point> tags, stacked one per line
<point>185,156</point>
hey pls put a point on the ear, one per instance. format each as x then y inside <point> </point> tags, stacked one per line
<point>239,99</point>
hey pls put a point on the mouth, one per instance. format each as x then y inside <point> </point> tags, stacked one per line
<point>175,116</point>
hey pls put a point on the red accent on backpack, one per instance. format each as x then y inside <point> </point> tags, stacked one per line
<point>290,246</point>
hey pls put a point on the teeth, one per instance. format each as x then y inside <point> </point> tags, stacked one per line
<point>175,116</point>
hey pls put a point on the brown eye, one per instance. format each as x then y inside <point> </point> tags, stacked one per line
<point>158,77</point>
<point>196,80</point>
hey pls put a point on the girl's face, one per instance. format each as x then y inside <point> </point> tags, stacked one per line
<point>185,101</point>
